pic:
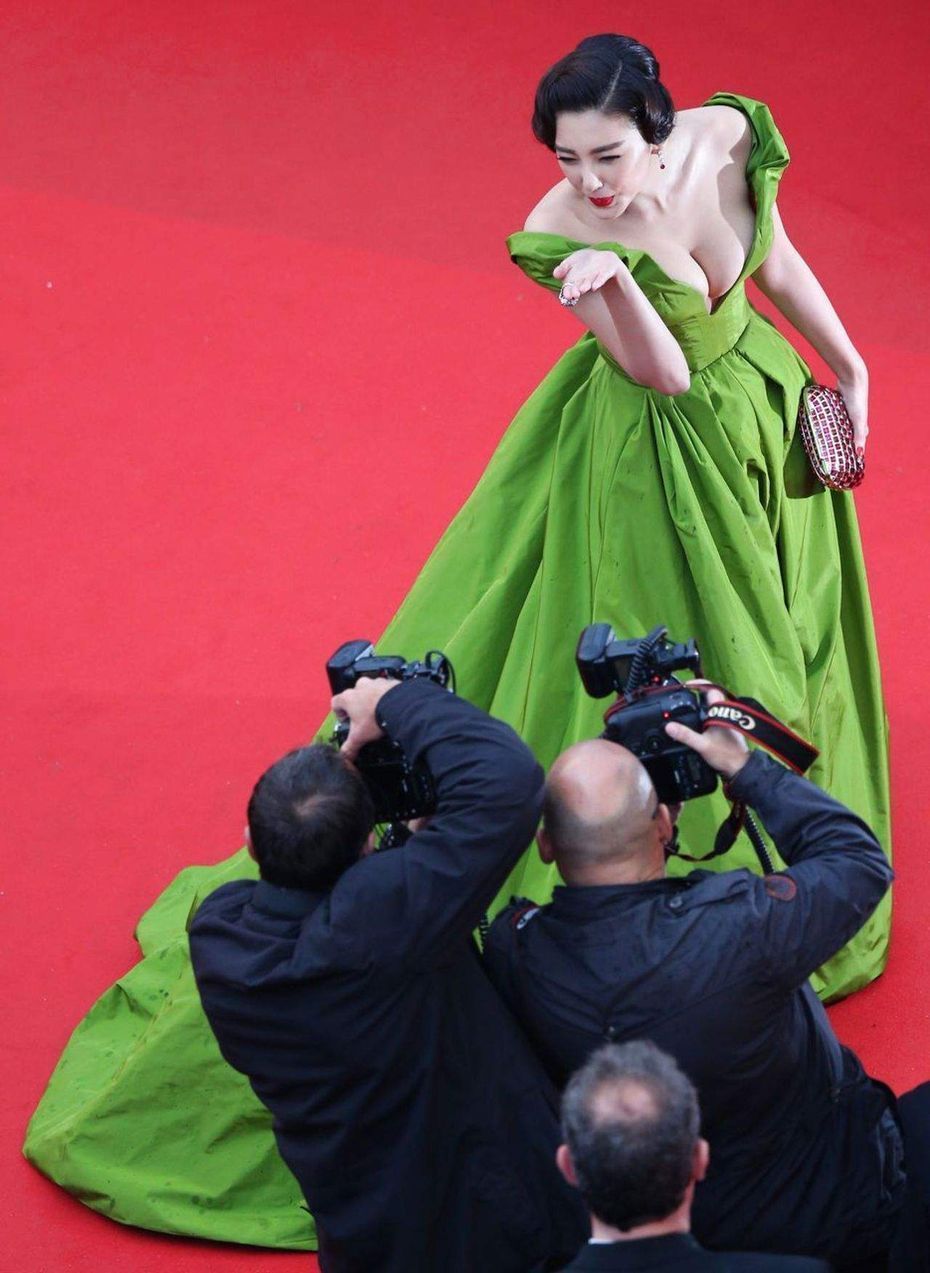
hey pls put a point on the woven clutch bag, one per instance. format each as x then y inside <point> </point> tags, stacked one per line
<point>827,434</point>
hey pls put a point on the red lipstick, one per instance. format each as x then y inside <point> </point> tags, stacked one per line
<point>601,203</point>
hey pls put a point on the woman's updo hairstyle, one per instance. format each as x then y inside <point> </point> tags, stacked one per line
<point>609,73</point>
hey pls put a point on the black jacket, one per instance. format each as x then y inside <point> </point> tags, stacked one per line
<point>680,1253</point>
<point>405,1099</point>
<point>805,1149</point>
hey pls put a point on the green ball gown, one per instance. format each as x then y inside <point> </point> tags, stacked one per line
<point>604,501</point>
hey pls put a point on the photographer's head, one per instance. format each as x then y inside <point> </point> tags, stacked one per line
<point>310,816</point>
<point>602,820</point>
<point>630,1120</point>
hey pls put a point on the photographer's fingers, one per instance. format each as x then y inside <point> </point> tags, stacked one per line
<point>358,706</point>
<point>362,730</point>
<point>729,750</point>
<point>724,749</point>
<point>690,737</point>
<point>682,734</point>
<point>356,739</point>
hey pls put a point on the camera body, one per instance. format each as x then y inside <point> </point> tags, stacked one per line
<point>640,671</point>
<point>400,789</point>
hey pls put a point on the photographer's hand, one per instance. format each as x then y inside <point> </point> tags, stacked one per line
<point>358,706</point>
<point>724,749</point>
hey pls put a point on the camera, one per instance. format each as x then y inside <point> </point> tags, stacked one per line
<point>640,671</point>
<point>400,789</point>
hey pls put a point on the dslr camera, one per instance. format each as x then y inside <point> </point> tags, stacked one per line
<point>640,671</point>
<point>400,789</point>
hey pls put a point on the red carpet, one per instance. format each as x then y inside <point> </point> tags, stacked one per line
<point>260,336</point>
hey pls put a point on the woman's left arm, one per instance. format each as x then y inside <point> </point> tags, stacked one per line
<point>790,284</point>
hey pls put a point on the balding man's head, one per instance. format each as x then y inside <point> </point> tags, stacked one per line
<point>632,1140</point>
<point>601,812</point>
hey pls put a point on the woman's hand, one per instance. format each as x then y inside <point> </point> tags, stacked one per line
<point>855,391</point>
<point>586,270</point>
<point>622,320</point>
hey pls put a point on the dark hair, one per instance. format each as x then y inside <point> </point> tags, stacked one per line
<point>631,1120</point>
<point>609,73</point>
<point>309,817</point>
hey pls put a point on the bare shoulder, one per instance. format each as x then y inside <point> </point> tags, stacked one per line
<point>720,130</point>
<point>553,214</point>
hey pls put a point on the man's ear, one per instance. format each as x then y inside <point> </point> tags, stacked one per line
<point>563,1160</point>
<point>544,846</point>
<point>701,1160</point>
<point>665,824</point>
<point>247,836</point>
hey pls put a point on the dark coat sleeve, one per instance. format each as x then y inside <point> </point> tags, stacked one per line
<point>837,873</point>
<point>500,952</point>
<point>417,903</point>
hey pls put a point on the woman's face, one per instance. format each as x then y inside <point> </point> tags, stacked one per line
<point>605,157</point>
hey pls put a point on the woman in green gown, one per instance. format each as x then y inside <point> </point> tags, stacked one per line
<point>655,476</point>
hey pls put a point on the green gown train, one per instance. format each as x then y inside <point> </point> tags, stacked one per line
<point>604,501</point>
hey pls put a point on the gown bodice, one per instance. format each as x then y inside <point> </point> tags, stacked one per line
<point>703,336</point>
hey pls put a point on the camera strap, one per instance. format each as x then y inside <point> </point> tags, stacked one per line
<point>747,716</point>
<point>725,838</point>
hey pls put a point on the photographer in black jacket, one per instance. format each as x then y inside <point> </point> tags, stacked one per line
<point>713,969</point>
<point>347,988</point>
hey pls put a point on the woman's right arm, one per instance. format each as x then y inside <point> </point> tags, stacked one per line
<point>790,284</point>
<point>607,299</point>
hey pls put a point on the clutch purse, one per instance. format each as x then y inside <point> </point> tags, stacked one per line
<point>827,434</point>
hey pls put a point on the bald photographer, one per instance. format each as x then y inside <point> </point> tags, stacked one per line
<point>713,968</point>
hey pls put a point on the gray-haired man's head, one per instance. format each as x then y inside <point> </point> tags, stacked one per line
<point>631,1124</point>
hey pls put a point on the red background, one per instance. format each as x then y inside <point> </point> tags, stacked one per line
<point>260,336</point>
